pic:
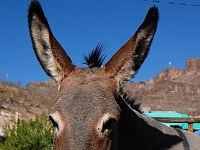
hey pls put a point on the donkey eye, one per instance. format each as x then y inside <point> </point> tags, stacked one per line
<point>57,121</point>
<point>55,124</point>
<point>109,124</point>
<point>105,124</point>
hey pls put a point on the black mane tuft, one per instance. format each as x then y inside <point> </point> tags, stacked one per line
<point>96,57</point>
<point>130,101</point>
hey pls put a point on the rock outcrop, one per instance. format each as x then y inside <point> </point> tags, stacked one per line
<point>171,90</point>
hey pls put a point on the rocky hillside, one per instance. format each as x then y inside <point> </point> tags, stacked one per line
<point>24,101</point>
<point>172,89</point>
<point>47,89</point>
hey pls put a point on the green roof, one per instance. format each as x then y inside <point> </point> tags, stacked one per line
<point>166,114</point>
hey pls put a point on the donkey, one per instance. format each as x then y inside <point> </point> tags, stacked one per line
<point>90,113</point>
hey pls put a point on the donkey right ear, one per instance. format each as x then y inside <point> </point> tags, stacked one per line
<point>52,57</point>
<point>128,59</point>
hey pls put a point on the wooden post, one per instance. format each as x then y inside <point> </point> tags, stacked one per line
<point>190,127</point>
<point>190,124</point>
<point>16,121</point>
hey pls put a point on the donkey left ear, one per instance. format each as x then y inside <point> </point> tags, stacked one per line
<point>52,57</point>
<point>128,59</point>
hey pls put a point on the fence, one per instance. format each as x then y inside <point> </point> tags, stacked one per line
<point>190,120</point>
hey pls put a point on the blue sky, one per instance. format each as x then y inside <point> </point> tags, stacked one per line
<point>79,25</point>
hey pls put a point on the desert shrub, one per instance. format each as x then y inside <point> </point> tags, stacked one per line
<point>10,83</point>
<point>29,135</point>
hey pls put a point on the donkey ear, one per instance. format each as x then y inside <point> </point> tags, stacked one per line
<point>52,57</point>
<point>128,59</point>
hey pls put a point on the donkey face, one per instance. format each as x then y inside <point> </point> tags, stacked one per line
<point>86,113</point>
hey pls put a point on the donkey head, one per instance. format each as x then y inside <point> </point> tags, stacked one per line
<point>86,113</point>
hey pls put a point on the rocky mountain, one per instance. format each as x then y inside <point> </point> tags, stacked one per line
<point>24,101</point>
<point>171,90</point>
<point>47,89</point>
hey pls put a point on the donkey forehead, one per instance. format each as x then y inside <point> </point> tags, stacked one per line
<point>84,76</point>
<point>87,92</point>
